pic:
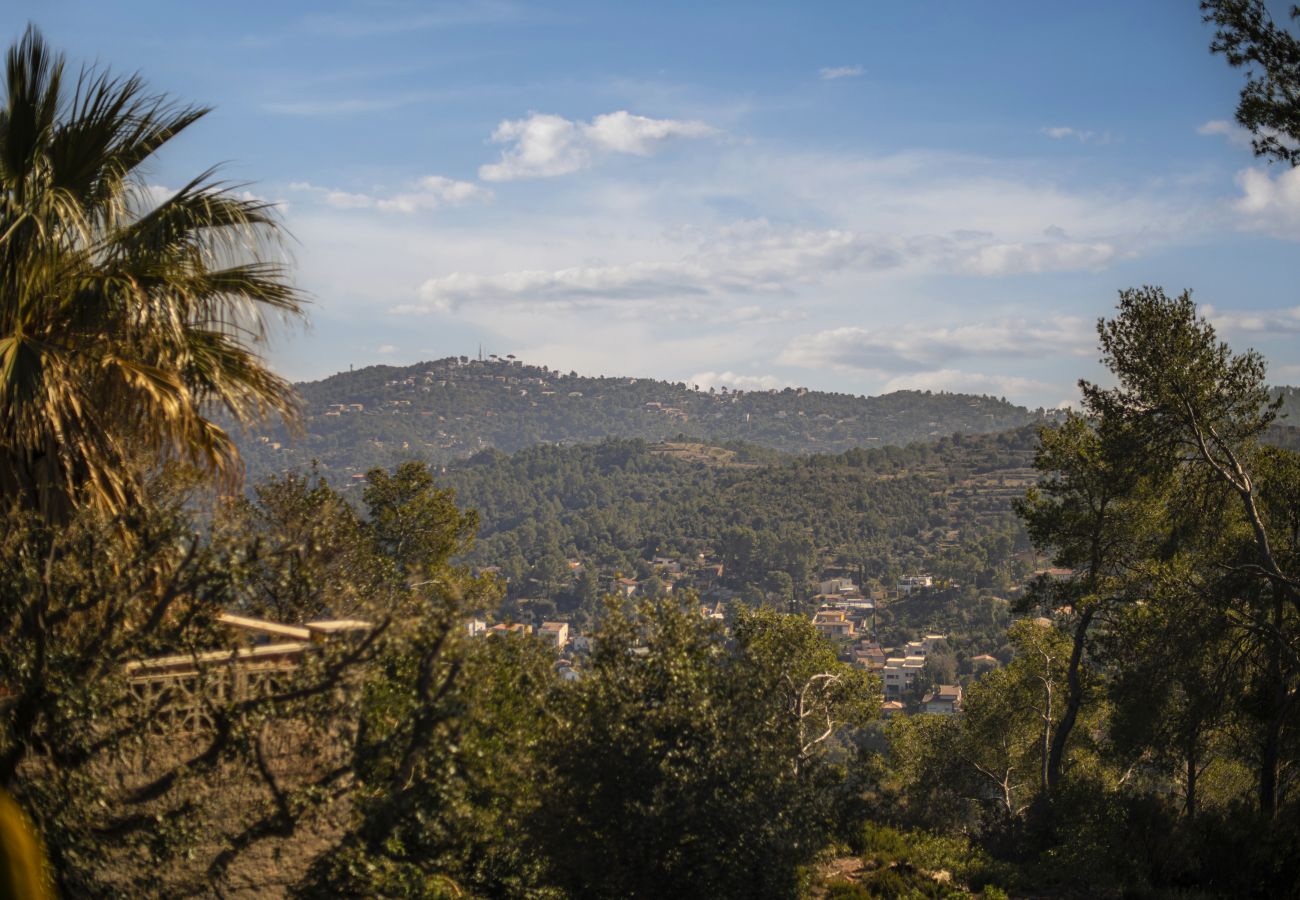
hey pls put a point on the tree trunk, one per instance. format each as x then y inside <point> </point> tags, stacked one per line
<point>1193,758</point>
<point>1047,732</point>
<point>1073,701</point>
<point>1270,751</point>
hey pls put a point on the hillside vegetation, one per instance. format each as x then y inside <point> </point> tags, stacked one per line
<point>452,408</point>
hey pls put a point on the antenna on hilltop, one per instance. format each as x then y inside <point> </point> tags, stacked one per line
<point>480,352</point>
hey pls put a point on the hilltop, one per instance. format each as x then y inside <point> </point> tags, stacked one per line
<point>452,408</point>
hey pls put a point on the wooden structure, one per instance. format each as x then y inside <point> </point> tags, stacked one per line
<point>183,688</point>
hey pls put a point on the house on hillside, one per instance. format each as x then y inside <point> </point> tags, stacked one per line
<point>555,634</point>
<point>868,655</point>
<point>833,623</point>
<point>667,565</point>
<point>504,629</point>
<point>900,673</point>
<point>837,586</point>
<point>909,583</point>
<point>945,700</point>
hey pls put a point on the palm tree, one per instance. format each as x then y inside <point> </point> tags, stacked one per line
<point>126,322</point>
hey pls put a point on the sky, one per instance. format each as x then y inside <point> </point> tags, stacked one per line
<point>856,197</point>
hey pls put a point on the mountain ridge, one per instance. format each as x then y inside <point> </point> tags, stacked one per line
<point>451,408</point>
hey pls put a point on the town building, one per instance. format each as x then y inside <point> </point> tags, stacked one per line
<point>555,634</point>
<point>945,700</point>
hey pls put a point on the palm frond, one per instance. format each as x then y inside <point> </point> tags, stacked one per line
<point>122,322</point>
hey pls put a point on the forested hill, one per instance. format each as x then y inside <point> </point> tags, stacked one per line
<point>774,523</point>
<point>452,408</point>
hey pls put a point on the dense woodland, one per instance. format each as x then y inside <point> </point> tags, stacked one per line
<point>776,525</point>
<point>440,411</point>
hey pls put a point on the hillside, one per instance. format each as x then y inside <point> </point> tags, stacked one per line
<point>452,408</point>
<point>561,523</point>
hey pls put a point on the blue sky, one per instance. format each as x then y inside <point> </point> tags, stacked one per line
<point>855,197</point>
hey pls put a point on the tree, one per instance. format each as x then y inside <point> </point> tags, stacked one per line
<point>445,723</point>
<point>798,669</point>
<point>995,754</point>
<point>79,603</point>
<point>1201,410</point>
<point>407,720</point>
<point>416,523</point>
<point>318,560</point>
<point>1095,514</point>
<point>1171,706</point>
<point>123,323</point>
<point>440,811</point>
<point>686,765</point>
<point>1269,107</point>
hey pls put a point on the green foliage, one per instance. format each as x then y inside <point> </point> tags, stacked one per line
<point>682,766</point>
<point>323,565</point>
<point>415,523</point>
<point>1121,745</point>
<point>404,716</point>
<point>920,864</point>
<point>877,513</point>
<point>440,810</point>
<point>989,763</point>
<point>882,848</point>
<point>1248,37</point>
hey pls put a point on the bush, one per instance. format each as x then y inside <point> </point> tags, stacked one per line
<point>904,882</point>
<point>965,862</point>
<point>846,890</point>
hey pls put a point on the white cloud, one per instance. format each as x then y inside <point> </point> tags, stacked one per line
<point>752,257</point>
<point>1083,136</point>
<point>387,349</point>
<point>1234,133</point>
<point>1254,321</point>
<point>603,276</point>
<point>1237,136</point>
<point>151,195</point>
<point>734,381</point>
<point>427,193</point>
<point>346,200</point>
<point>543,146</point>
<point>1270,204</point>
<point>1057,256</point>
<point>915,348</point>
<point>831,73</point>
<point>622,132</point>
